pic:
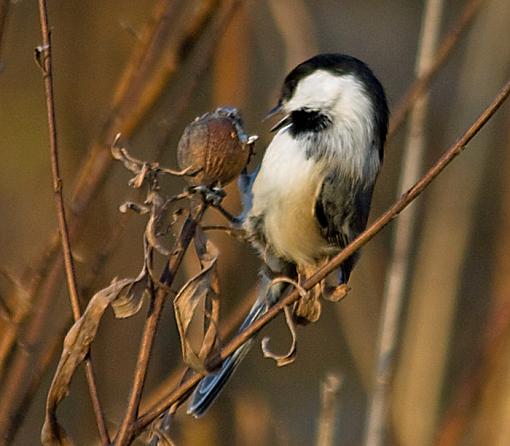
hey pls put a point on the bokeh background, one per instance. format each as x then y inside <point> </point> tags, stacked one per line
<point>452,377</point>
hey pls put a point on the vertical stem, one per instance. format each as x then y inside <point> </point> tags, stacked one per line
<point>405,227</point>
<point>421,84</point>
<point>124,435</point>
<point>46,66</point>
<point>327,417</point>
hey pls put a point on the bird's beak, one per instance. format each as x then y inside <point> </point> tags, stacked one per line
<point>275,111</point>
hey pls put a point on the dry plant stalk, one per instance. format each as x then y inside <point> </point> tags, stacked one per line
<point>126,296</point>
<point>404,231</point>
<point>330,388</point>
<point>461,414</point>
<point>147,71</point>
<point>53,274</point>
<point>178,395</point>
<point>426,359</point>
<point>43,58</point>
<point>422,83</point>
<point>45,276</point>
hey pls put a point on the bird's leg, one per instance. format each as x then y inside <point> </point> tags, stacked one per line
<point>308,307</point>
<point>213,195</point>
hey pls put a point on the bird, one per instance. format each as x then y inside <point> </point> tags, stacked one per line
<point>311,194</point>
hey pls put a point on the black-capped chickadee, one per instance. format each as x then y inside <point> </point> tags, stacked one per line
<point>311,195</point>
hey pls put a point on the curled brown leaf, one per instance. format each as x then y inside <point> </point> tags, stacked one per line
<point>135,207</point>
<point>76,346</point>
<point>153,230</point>
<point>203,287</point>
<point>286,358</point>
<point>144,170</point>
<point>130,296</point>
<point>289,357</point>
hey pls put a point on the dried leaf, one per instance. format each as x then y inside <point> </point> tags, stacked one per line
<point>207,252</point>
<point>121,154</point>
<point>290,356</point>
<point>138,180</point>
<point>136,207</point>
<point>205,249</point>
<point>204,286</point>
<point>142,169</point>
<point>76,346</point>
<point>334,293</point>
<point>130,297</point>
<point>159,211</point>
<point>308,308</point>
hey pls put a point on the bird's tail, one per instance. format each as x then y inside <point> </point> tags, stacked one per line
<point>210,387</point>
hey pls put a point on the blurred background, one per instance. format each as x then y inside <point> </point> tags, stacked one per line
<point>452,377</point>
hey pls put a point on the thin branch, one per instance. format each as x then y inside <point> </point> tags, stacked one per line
<point>421,84</point>
<point>163,49</point>
<point>151,323</point>
<point>46,67</point>
<point>144,74</point>
<point>453,151</point>
<point>405,228</point>
<point>329,402</point>
<point>159,394</point>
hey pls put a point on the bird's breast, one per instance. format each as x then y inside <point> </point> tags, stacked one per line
<point>283,203</point>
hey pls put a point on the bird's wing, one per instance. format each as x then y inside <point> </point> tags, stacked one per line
<point>341,210</point>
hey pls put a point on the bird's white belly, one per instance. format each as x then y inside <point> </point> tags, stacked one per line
<point>284,198</point>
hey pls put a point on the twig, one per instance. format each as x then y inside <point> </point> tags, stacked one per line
<point>405,227</point>
<point>453,151</point>
<point>126,116</point>
<point>149,73</point>
<point>46,67</point>
<point>421,84</point>
<point>188,230</point>
<point>158,395</point>
<point>329,393</point>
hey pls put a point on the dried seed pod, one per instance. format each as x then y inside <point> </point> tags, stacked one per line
<point>216,146</point>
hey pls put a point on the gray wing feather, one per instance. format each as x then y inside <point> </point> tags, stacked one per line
<point>341,209</point>
<point>210,387</point>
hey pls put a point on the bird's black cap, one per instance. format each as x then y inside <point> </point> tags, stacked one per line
<point>341,64</point>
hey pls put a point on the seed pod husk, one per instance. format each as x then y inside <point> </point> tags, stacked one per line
<point>215,146</point>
